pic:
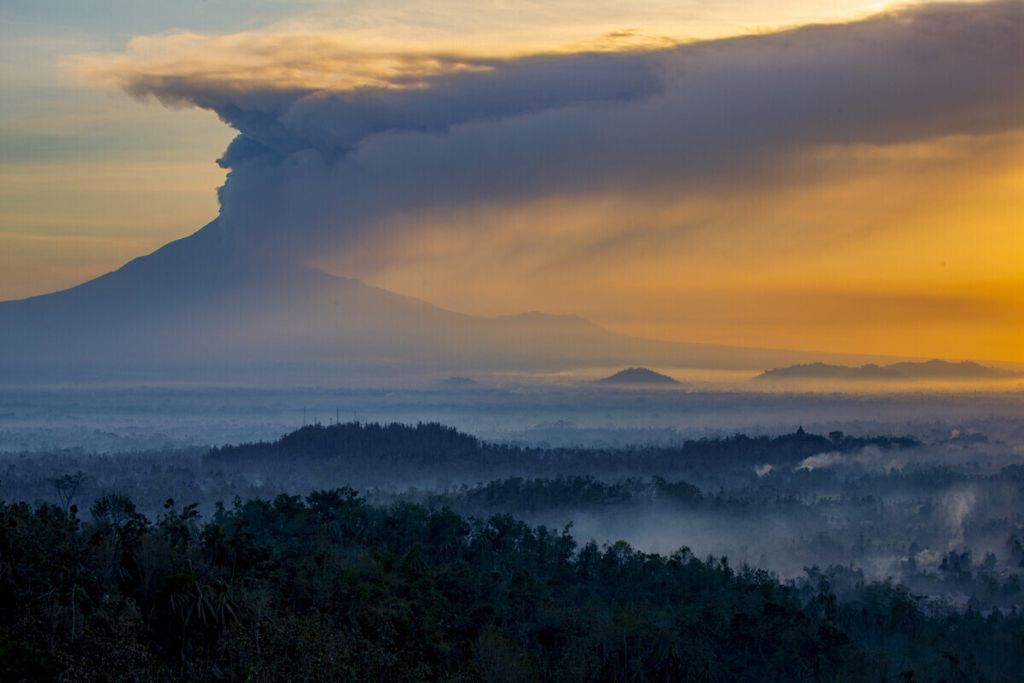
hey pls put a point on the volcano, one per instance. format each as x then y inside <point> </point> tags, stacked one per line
<point>193,310</point>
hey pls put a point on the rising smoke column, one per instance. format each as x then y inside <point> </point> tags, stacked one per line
<point>323,161</point>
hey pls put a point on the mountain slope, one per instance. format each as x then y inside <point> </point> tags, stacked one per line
<point>192,308</point>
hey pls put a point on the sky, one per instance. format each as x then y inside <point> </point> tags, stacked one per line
<point>839,176</point>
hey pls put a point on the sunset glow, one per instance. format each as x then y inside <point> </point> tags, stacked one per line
<point>877,238</point>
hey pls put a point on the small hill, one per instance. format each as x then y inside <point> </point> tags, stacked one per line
<point>931,370</point>
<point>637,376</point>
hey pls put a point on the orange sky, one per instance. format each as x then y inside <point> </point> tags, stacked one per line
<point>908,248</point>
<point>912,250</point>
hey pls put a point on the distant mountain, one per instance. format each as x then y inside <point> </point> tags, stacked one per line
<point>459,383</point>
<point>638,376</point>
<point>195,311</point>
<point>940,369</point>
<point>929,370</point>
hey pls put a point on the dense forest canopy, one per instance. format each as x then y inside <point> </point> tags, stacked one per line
<point>424,553</point>
<point>439,448</point>
<point>327,587</point>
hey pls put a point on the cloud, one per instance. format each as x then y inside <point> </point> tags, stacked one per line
<point>337,140</point>
<point>334,140</point>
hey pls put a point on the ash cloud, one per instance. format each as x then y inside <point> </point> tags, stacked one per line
<point>317,166</point>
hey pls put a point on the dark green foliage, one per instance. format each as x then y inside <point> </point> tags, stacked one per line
<point>328,588</point>
<point>395,442</point>
<point>572,493</point>
<point>414,450</point>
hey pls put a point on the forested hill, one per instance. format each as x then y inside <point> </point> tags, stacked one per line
<point>354,439</point>
<point>432,444</point>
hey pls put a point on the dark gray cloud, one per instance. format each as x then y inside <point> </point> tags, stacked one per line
<point>313,168</point>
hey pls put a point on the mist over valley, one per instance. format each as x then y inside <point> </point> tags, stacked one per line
<point>520,343</point>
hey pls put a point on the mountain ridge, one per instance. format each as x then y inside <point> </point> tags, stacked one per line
<point>195,306</point>
<point>934,369</point>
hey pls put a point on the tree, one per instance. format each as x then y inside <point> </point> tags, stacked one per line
<point>67,487</point>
